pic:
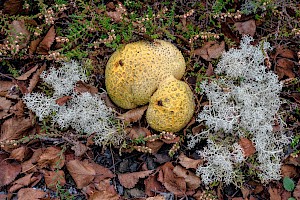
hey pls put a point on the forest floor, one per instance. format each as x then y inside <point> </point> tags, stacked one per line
<point>39,160</point>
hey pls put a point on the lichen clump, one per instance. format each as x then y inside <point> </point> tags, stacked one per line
<point>137,70</point>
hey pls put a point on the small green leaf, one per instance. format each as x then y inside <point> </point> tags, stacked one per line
<point>288,184</point>
<point>291,198</point>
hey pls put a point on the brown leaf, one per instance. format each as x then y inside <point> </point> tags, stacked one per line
<point>295,96</point>
<point>46,43</point>
<point>117,15</point>
<point>189,163</point>
<point>53,178</point>
<point>247,146</point>
<point>5,104</point>
<point>102,191</point>
<point>285,53</point>
<point>82,87</point>
<point>30,165</point>
<point>296,192</point>
<point>52,157</point>
<point>33,45</point>
<point>79,149</point>
<point>101,172</point>
<point>293,160</point>
<point>18,33</point>
<point>192,181</point>
<point>12,7</point>
<point>285,67</point>
<point>14,127</point>
<point>133,115</point>
<point>137,132</point>
<point>210,50</point>
<point>171,181</point>
<point>82,172</point>
<point>31,194</point>
<point>154,145</point>
<point>129,180</point>
<point>274,193</point>
<point>158,197</point>
<point>24,181</point>
<point>289,171</point>
<point>19,153</point>
<point>9,170</point>
<point>18,109</point>
<point>210,70</point>
<point>5,87</point>
<point>25,76</point>
<point>246,28</point>
<point>35,78</point>
<point>63,100</point>
<point>152,186</point>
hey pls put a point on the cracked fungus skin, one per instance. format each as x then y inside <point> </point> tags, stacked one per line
<point>171,107</point>
<point>134,72</point>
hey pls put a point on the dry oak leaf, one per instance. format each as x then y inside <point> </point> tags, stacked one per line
<point>247,146</point>
<point>189,163</point>
<point>154,145</point>
<point>53,178</point>
<point>18,109</point>
<point>31,194</point>
<point>29,179</point>
<point>63,100</point>
<point>136,132</point>
<point>133,115</point>
<point>46,43</point>
<point>25,76</point>
<point>14,127</point>
<point>210,50</point>
<point>9,170</point>
<point>152,186</point>
<point>52,157</point>
<point>82,87</point>
<point>5,87</point>
<point>274,193</point>
<point>105,191</point>
<point>192,181</point>
<point>129,180</point>
<point>171,181</point>
<point>82,172</point>
<point>246,28</point>
<point>30,165</point>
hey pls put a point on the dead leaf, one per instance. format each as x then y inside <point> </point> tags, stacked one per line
<point>102,191</point>
<point>246,28</point>
<point>189,163</point>
<point>18,33</point>
<point>117,15</point>
<point>31,194</point>
<point>14,127</point>
<point>5,87</point>
<point>35,78</point>
<point>82,87</point>
<point>171,181</point>
<point>79,149</point>
<point>133,115</point>
<point>53,178</point>
<point>158,197</point>
<point>296,192</point>
<point>12,7</point>
<point>33,45</point>
<point>18,109</point>
<point>152,186</point>
<point>293,160</point>
<point>25,76</point>
<point>101,172</point>
<point>154,145</point>
<point>46,43</point>
<point>129,180</point>
<point>295,96</point>
<point>52,157</point>
<point>82,172</point>
<point>284,52</point>
<point>20,153</point>
<point>9,170</point>
<point>63,100</point>
<point>289,171</point>
<point>210,70</point>
<point>136,132</point>
<point>274,193</point>
<point>247,146</point>
<point>210,50</point>
<point>27,180</point>
<point>284,67</point>
<point>192,181</point>
<point>30,165</point>
<point>5,104</point>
